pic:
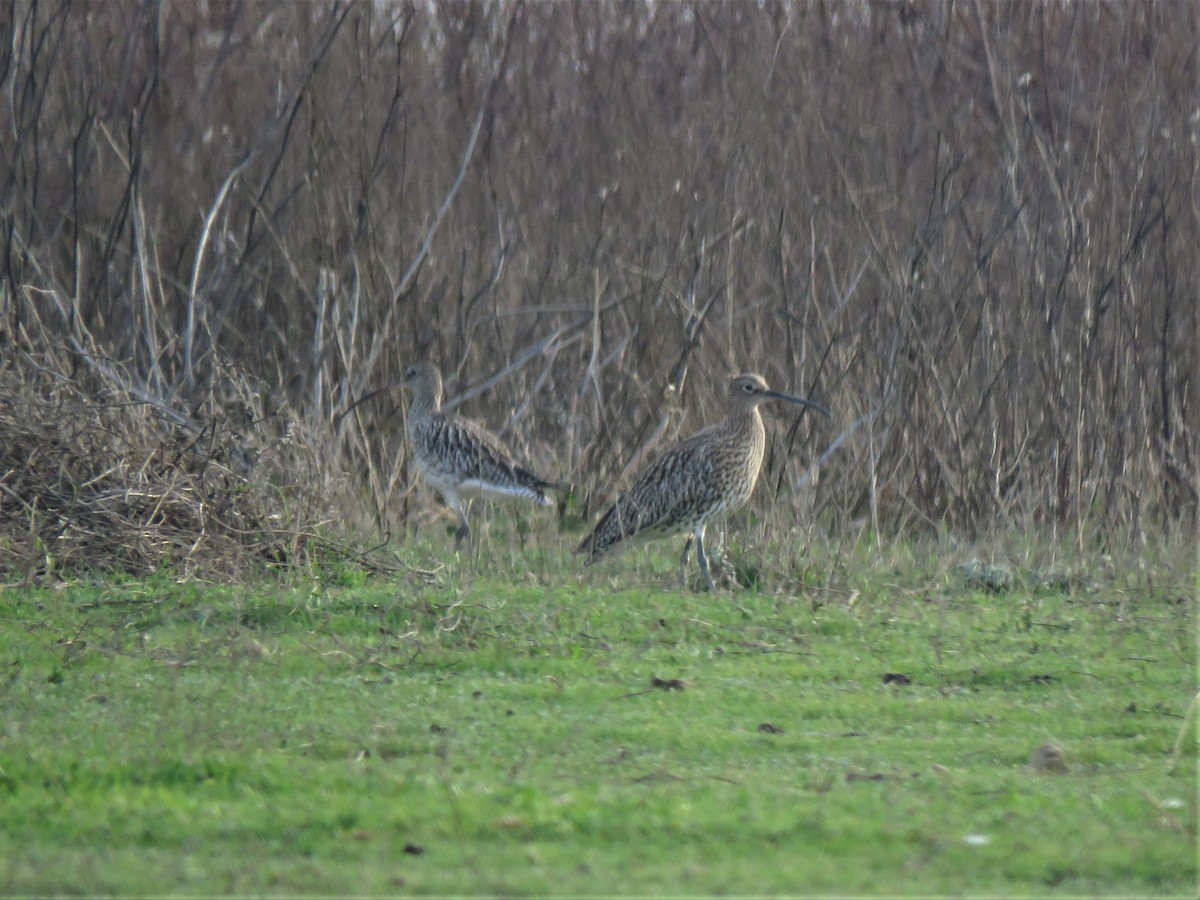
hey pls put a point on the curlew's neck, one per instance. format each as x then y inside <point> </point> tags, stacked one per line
<point>744,422</point>
<point>427,399</point>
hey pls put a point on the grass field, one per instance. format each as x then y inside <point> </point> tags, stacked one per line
<point>862,726</point>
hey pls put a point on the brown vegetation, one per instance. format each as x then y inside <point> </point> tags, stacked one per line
<point>98,475</point>
<point>970,229</point>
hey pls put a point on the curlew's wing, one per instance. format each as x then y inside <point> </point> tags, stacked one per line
<point>476,461</point>
<point>667,498</point>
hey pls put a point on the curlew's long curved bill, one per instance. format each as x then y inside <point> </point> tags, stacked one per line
<point>792,398</point>
<point>399,382</point>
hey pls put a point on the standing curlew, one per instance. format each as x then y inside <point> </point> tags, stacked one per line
<point>710,473</point>
<point>458,458</point>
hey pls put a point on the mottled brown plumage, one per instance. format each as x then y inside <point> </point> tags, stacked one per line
<point>711,473</point>
<point>458,458</point>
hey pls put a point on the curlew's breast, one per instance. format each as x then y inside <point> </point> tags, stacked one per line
<point>736,462</point>
<point>727,474</point>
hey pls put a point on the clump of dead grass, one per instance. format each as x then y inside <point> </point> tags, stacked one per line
<point>96,476</point>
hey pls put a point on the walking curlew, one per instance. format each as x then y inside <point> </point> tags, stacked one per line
<point>458,458</point>
<point>711,473</point>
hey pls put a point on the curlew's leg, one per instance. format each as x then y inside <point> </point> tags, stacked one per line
<point>456,503</point>
<point>463,532</point>
<point>687,550</point>
<point>712,586</point>
<point>716,552</point>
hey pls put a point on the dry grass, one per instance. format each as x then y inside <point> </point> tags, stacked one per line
<point>94,476</point>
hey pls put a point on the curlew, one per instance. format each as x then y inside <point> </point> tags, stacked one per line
<point>460,459</point>
<point>711,473</point>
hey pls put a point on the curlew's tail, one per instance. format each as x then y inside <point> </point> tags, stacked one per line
<point>614,527</point>
<point>591,549</point>
<point>540,485</point>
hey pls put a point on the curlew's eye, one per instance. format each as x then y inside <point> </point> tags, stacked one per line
<point>411,372</point>
<point>748,388</point>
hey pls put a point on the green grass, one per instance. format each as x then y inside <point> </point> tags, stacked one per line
<point>488,729</point>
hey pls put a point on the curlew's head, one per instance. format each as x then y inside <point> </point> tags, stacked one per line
<point>749,390</point>
<point>425,382</point>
